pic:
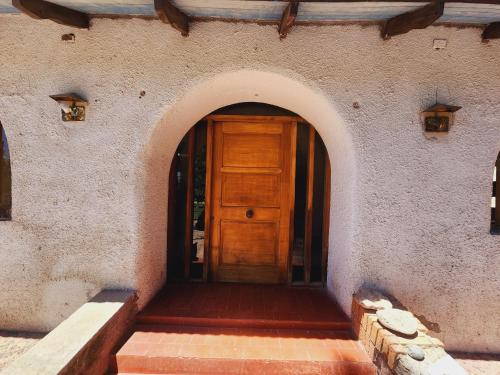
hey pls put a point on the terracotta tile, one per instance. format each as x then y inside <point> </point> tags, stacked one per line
<point>214,366</point>
<point>267,368</point>
<point>229,352</point>
<point>246,302</point>
<point>242,329</point>
<point>347,368</point>
<point>163,350</point>
<point>139,336</point>
<point>293,354</point>
<point>176,338</point>
<point>354,356</point>
<point>259,352</point>
<point>262,341</point>
<point>324,354</point>
<point>196,351</point>
<point>134,348</point>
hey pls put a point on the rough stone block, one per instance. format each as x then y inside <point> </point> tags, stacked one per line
<point>393,352</point>
<point>372,299</point>
<point>375,331</point>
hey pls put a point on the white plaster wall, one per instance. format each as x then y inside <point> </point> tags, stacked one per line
<point>410,213</point>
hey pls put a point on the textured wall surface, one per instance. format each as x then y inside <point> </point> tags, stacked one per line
<point>410,211</point>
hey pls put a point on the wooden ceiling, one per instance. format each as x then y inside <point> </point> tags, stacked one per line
<point>396,17</point>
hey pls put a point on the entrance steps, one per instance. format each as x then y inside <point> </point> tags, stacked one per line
<point>169,340</point>
<point>216,350</point>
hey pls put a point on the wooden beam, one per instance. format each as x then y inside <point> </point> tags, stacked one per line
<point>188,234</point>
<point>208,198</point>
<point>309,206</point>
<point>172,242</point>
<point>169,13</point>
<point>495,2</point>
<point>492,31</point>
<point>326,218</point>
<point>288,18</point>
<point>291,197</point>
<point>40,9</point>
<point>395,1</point>
<point>416,19</point>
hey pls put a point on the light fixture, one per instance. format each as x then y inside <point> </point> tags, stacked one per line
<point>72,106</point>
<point>439,117</point>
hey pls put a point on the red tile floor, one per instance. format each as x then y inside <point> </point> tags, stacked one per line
<point>242,329</point>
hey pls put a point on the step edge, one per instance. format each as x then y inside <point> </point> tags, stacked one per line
<point>170,368</point>
<point>237,323</point>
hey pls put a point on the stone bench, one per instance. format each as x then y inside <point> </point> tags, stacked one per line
<point>84,342</point>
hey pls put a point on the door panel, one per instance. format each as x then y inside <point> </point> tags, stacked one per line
<point>251,150</point>
<point>252,198</point>
<point>250,189</point>
<point>251,244</point>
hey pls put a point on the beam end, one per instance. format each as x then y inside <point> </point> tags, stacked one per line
<point>417,19</point>
<point>288,18</point>
<point>41,9</point>
<point>169,13</point>
<point>492,31</point>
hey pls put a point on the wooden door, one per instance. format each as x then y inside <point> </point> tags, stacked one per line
<point>253,197</point>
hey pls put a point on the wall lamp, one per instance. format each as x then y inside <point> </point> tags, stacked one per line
<point>72,106</point>
<point>439,117</point>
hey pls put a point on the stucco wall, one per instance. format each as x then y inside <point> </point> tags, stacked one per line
<point>410,212</point>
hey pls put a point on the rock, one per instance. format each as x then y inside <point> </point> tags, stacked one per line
<point>416,352</point>
<point>408,366</point>
<point>372,299</point>
<point>398,320</point>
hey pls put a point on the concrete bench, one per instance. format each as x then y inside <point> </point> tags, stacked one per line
<point>83,343</point>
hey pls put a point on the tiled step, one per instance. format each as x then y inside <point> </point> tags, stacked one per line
<point>216,350</point>
<point>237,305</point>
<point>249,322</point>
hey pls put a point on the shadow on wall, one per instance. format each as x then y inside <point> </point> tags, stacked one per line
<point>220,91</point>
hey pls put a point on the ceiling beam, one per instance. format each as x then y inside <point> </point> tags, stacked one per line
<point>41,9</point>
<point>492,31</point>
<point>169,13</point>
<point>496,2</point>
<point>416,19</point>
<point>288,18</point>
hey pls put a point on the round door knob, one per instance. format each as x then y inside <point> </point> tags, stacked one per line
<point>249,213</point>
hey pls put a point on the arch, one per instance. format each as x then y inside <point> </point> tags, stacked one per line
<point>5,178</point>
<point>231,88</point>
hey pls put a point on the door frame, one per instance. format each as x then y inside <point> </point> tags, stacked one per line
<point>208,220</point>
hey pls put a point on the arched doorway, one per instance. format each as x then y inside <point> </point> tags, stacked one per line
<point>202,98</point>
<point>249,193</point>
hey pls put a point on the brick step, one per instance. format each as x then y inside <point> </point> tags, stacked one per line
<point>198,366</point>
<point>244,322</point>
<point>169,349</point>
<point>244,305</point>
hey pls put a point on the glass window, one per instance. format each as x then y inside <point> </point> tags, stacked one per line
<point>495,199</point>
<point>5,178</point>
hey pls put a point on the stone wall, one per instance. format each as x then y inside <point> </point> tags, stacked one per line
<point>410,210</point>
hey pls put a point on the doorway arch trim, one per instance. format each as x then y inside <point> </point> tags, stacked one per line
<point>202,98</point>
